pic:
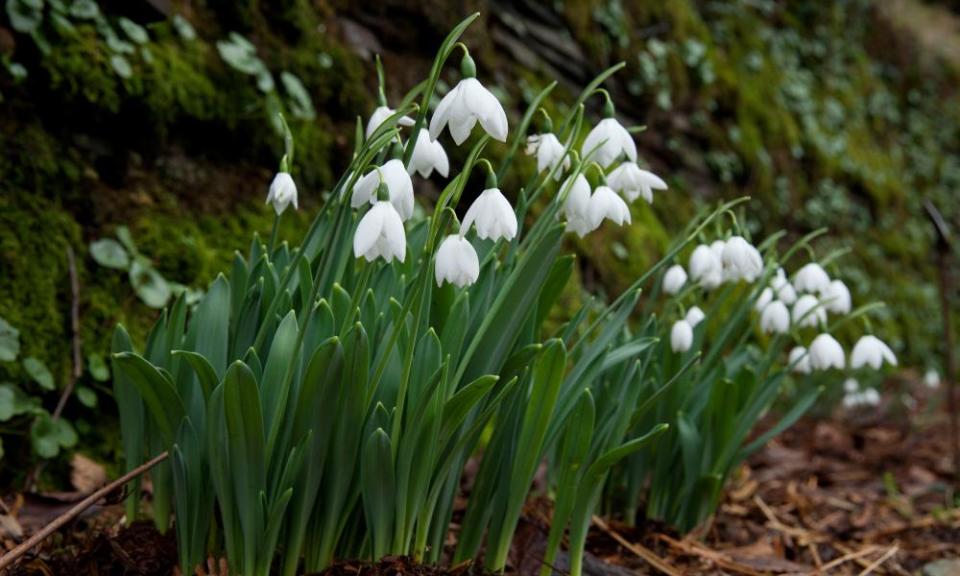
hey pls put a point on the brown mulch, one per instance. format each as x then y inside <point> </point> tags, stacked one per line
<point>849,495</point>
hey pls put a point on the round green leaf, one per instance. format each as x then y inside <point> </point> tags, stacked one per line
<point>184,28</point>
<point>43,437</point>
<point>9,342</point>
<point>24,15</point>
<point>98,368</point>
<point>134,31</point>
<point>84,9</point>
<point>108,252</point>
<point>13,402</point>
<point>39,372</point>
<point>121,66</point>
<point>87,396</point>
<point>149,285</point>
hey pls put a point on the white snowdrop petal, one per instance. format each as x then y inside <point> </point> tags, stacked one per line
<point>681,336</point>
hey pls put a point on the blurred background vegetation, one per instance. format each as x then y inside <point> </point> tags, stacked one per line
<point>146,125</point>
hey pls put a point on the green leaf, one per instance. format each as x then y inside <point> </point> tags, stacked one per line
<point>121,66</point>
<point>48,436</point>
<point>108,252</point>
<point>149,285</point>
<point>87,396</point>
<point>97,367</point>
<point>301,105</point>
<point>134,31</point>
<point>9,342</point>
<point>184,28</point>
<point>24,16</point>
<point>84,9</point>
<point>377,483</point>
<point>158,393</point>
<point>39,373</point>
<point>14,402</point>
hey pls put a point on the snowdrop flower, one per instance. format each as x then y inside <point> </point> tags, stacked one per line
<point>742,259</point>
<point>681,336</point>
<point>811,278</point>
<point>465,105</point>
<point>826,353</point>
<point>705,267</point>
<point>283,192</point>
<point>577,205</point>
<point>695,316</point>
<point>605,204</point>
<point>932,379</point>
<point>871,397</point>
<point>766,297</point>
<point>674,279</point>
<point>380,116</point>
<point>873,352</point>
<point>836,298</point>
<point>717,247</point>
<point>493,216</point>
<point>850,385</point>
<point>428,156</point>
<point>800,360</point>
<point>380,234</point>
<point>631,181</point>
<point>457,262</point>
<point>775,318</point>
<point>549,151</point>
<point>808,312</point>
<point>398,182</point>
<point>609,139</point>
<point>783,289</point>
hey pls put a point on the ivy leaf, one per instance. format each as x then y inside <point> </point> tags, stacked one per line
<point>97,367</point>
<point>108,252</point>
<point>48,436</point>
<point>149,285</point>
<point>84,9</point>
<point>39,372</point>
<point>14,402</point>
<point>87,396</point>
<point>134,31</point>
<point>25,16</point>
<point>9,342</point>
<point>123,234</point>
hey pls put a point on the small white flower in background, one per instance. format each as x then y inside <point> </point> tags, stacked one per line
<point>705,267</point>
<point>681,336</point>
<point>457,262</point>
<point>873,352</point>
<point>398,182</point>
<point>775,318</point>
<point>632,181</point>
<point>766,297</point>
<point>800,360</point>
<point>605,204</point>
<point>283,192</point>
<point>380,234</point>
<point>808,312</point>
<point>695,316</point>
<point>463,106</point>
<point>742,258</point>
<point>674,279</point>
<point>932,379</point>
<point>576,208</point>
<point>850,385</point>
<point>811,278</point>
<point>613,140</point>
<point>871,397</point>
<point>717,247</point>
<point>428,156</point>
<point>549,152</point>
<point>826,353</point>
<point>782,288</point>
<point>493,216</point>
<point>380,115</point>
<point>836,298</point>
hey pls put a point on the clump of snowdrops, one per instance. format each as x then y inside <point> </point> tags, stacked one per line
<point>321,401</point>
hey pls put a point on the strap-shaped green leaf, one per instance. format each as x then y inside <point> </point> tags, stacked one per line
<point>158,393</point>
<point>377,484</point>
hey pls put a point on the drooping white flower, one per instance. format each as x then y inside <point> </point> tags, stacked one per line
<point>576,208</point>
<point>674,279</point>
<point>398,182</point>
<point>457,262</point>
<point>836,298</point>
<point>775,318</point>
<point>765,298</point>
<point>695,316</point>
<point>850,385</point>
<point>717,247</point>
<point>463,106</point>
<point>808,312</point>
<point>605,204</point>
<point>631,181</point>
<point>873,352</point>
<point>705,267</point>
<point>742,258</point>
<point>871,397</point>
<point>549,151</point>
<point>380,115</point>
<point>932,379</point>
<point>493,216</point>
<point>782,288</point>
<point>811,278</point>
<point>826,353</point>
<point>613,140</point>
<point>681,336</point>
<point>800,360</point>
<point>380,234</point>
<point>428,156</point>
<point>283,192</point>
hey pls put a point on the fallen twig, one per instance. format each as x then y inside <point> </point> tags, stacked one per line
<point>639,549</point>
<point>876,564</point>
<point>77,370</point>
<point>8,558</point>
<point>717,558</point>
